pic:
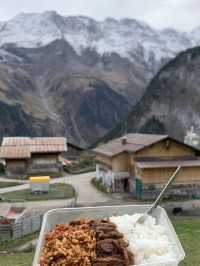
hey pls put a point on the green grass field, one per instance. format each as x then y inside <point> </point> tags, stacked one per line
<point>57,191</point>
<point>188,230</point>
<point>9,245</point>
<point>16,259</point>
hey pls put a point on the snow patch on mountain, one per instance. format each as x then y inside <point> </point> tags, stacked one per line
<point>195,35</point>
<point>6,57</point>
<point>126,37</point>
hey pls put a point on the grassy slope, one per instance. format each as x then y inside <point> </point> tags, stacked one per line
<point>9,245</point>
<point>188,230</point>
<point>17,259</point>
<point>57,191</point>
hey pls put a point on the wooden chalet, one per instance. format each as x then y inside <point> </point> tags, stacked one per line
<point>24,155</point>
<point>150,159</point>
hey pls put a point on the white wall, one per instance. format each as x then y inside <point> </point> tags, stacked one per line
<point>105,175</point>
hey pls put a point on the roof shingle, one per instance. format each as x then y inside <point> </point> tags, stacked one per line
<point>22,147</point>
<point>134,142</point>
<point>14,152</point>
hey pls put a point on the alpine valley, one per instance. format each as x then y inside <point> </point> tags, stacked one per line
<point>78,77</point>
<point>170,104</point>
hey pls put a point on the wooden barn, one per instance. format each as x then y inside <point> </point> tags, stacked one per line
<point>25,155</point>
<point>142,163</point>
<point>73,151</point>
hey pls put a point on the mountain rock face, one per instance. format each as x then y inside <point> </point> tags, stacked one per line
<point>62,92</point>
<point>171,102</point>
<point>75,76</point>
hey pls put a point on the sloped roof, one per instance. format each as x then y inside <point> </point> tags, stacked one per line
<point>14,152</point>
<point>23,147</point>
<point>134,143</point>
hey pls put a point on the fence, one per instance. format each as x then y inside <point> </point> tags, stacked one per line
<point>20,228</point>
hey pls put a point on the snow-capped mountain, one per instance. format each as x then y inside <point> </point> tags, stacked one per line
<point>127,37</point>
<point>76,76</point>
<point>6,57</point>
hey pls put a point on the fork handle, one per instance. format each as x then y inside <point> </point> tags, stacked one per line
<point>161,195</point>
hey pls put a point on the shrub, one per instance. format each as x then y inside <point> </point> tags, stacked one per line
<point>85,161</point>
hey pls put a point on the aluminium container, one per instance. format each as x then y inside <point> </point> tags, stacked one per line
<point>65,215</point>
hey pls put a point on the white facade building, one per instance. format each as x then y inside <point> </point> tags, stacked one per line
<point>112,180</point>
<point>192,138</point>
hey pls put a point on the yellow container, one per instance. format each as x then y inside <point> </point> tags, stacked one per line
<point>39,179</point>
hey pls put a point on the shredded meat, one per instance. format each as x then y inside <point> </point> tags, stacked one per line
<point>86,243</point>
<point>69,245</point>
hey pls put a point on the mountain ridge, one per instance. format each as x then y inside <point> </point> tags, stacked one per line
<point>54,84</point>
<point>170,103</point>
<point>109,35</point>
<point>78,75</point>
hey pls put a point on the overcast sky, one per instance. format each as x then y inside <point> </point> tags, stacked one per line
<point>179,14</point>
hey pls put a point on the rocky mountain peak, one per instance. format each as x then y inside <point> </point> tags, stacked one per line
<point>170,104</point>
<point>122,36</point>
<point>79,77</point>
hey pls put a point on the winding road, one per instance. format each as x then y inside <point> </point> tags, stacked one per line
<point>87,193</point>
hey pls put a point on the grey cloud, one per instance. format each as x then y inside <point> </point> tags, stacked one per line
<point>180,14</point>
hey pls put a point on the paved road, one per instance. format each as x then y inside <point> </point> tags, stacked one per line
<point>87,193</point>
<point>25,185</point>
<point>4,179</point>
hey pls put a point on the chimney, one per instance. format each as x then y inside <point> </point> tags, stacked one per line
<point>124,140</point>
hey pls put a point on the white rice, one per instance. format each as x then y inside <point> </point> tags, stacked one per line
<point>148,241</point>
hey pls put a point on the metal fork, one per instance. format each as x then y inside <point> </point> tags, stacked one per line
<point>159,198</point>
